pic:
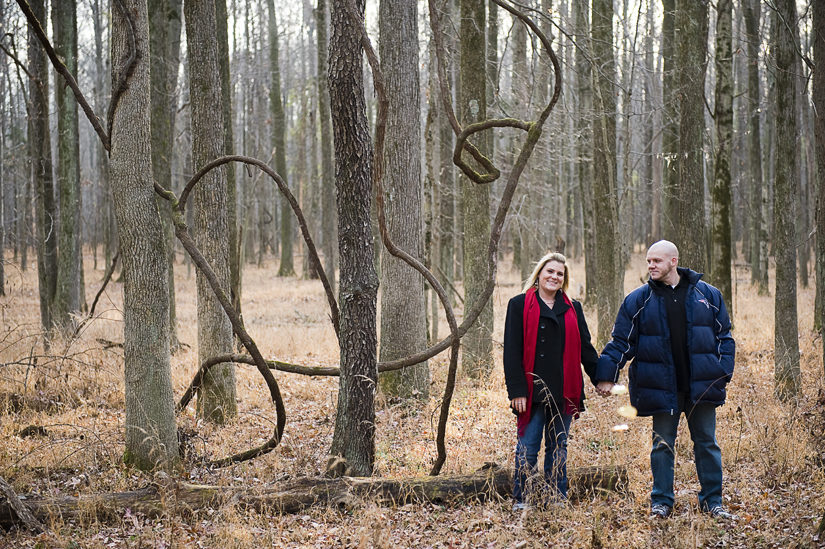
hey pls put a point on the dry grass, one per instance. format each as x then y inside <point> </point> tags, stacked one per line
<point>772,452</point>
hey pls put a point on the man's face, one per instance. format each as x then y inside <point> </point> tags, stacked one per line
<point>660,264</point>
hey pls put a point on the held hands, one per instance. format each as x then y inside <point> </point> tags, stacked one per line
<point>604,388</point>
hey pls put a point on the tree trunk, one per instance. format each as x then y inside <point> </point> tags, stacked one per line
<point>329,237</point>
<point>477,345</point>
<point>287,268</point>
<point>298,495</point>
<point>609,266</point>
<point>758,189</point>
<point>151,436</point>
<point>217,396</point>
<point>720,265</point>
<point>40,152</point>
<point>163,73</point>
<point>69,293</point>
<point>818,89</point>
<point>581,15</point>
<point>692,22</point>
<point>670,123</point>
<point>354,437</point>
<point>403,306</point>
<point>786,357</point>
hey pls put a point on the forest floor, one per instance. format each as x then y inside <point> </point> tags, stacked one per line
<point>773,452</point>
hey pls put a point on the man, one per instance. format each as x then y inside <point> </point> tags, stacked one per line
<point>676,330</point>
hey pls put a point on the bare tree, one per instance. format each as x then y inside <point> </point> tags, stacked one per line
<point>477,348</point>
<point>403,306</point>
<point>354,436</point>
<point>217,395</point>
<point>328,233</point>
<point>818,88</point>
<point>786,339</point>
<point>721,192</point>
<point>69,297</point>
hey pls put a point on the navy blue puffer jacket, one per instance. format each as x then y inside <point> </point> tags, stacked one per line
<point>641,334</point>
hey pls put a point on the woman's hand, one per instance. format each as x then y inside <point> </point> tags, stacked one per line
<point>604,387</point>
<point>519,404</point>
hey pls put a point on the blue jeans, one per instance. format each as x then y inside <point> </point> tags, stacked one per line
<point>554,426</point>
<point>701,420</point>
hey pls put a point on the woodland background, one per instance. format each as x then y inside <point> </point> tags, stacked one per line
<point>684,120</point>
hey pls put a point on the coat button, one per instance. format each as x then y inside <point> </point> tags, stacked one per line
<point>541,354</point>
<point>542,340</point>
<point>542,324</point>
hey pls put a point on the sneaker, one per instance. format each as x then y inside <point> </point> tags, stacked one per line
<point>720,513</point>
<point>519,507</point>
<point>660,511</point>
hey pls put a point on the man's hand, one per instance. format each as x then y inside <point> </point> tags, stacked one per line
<point>604,387</point>
<point>519,404</point>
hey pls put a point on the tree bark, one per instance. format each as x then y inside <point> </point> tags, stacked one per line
<point>670,123</point>
<point>403,306</point>
<point>477,345</point>
<point>818,89</point>
<point>151,436</point>
<point>584,97</point>
<point>40,153</point>
<point>609,266</point>
<point>720,265</point>
<point>69,292</point>
<point>301,494</point>
<point>354,436</point>
<point>786,357</point>
<point>692,22</point>
<point>329,237</point>
<point>222,21</point>
<point>217,396</point>
<point>287,268</point>
<point>758,188</point>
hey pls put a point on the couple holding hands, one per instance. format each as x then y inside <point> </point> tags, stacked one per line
<point>676,331</point>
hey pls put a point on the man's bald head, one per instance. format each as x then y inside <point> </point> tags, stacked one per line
<point>665,247</point>
<point>662,259</point>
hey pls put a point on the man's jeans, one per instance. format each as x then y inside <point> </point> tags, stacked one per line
<point>554,426</point>
<point>701,420</point>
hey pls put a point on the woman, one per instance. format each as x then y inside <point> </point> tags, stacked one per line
<point>545,341</point>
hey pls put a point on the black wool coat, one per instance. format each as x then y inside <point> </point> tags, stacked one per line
<point>549,368</point>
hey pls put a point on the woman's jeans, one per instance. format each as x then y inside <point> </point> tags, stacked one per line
<point>554,427</point>
<point>701,420</point>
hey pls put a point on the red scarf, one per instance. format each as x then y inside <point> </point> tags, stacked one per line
<point>571,358</point>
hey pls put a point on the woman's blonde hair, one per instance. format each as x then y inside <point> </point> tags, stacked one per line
<point>553,256</point>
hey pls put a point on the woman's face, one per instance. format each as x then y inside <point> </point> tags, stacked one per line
<point>551,276</point>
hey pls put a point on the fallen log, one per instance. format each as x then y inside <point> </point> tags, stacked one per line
<point>180,498</point>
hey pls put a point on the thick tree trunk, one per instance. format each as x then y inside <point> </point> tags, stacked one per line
<point>403,306</point>
<point>477,345</point>
<point>151,436</point>
<point>786,357</point>
<point>301,494</point>
<point>354,437</point>
<point>818,88</point>
<point>609,266</point>
<point>287,268</point>
<point>720,264</point>
<point>69,292</point>
<point>329,238</point>
<point>758,188</point>
<point>40,153</point>
<point>692,22</point>
<point>217,396</point>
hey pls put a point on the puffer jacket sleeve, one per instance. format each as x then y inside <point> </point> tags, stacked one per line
<point>622,346</point>
<point>727,346</point>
